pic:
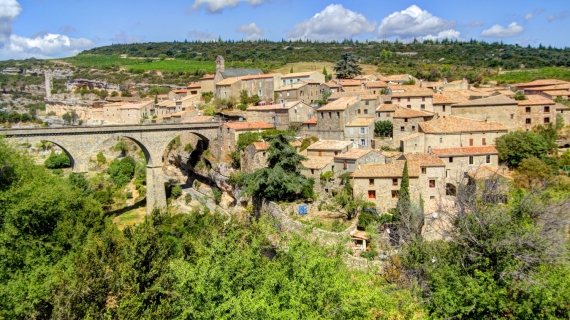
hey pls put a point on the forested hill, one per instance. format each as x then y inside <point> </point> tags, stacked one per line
<point>474,53</point>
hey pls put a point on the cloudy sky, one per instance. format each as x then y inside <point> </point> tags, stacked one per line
<point>58,28</point>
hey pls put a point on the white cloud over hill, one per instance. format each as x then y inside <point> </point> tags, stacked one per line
<point>499,31</point>
<point>414,22</point>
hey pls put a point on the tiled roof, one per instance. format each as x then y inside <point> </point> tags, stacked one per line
<point>139,105</point>
<point>194,86</point>
<point>413,93</point>
<point>228,81</point>
<point>395,77</point>
<point>465,151</point>
<point>390,154</point>
<point>261,145</point>
<point>387,107</point>
<point>498,100</point>
<point>424,159</point>
<point>370,96</point>
<point>560,106</point>
<point>356,93</point>
<point>316,162</point>
<point>244,125</point>
<point>487,172</point>
<point>311,121</point>
<point>166,104</point>
<point>411,113</point>
<point>180,91</point>
<point>507,93</point>
<point>534,100</point>
<point>115,104</point>
<point>469,94</point>
<point>557,92</point>
<point>329,145</point>
<point>259,76</point>
<point>541,82</point>
<point>450,124</point>
<point>563,86</point>
<point>208,77</point>
<point>412,136</point>
<point>198,119</point>
<point>331,84</point>
<point>229,73</point>
<point>298,74</point>
<point>189,97</point>
<point>286,106</point>
<point>349,83</point>
<point>353,154</point>
<point>375,84</point>
<point>340,104</point>
<point>361,122</point>
<point>293,86</point>
<point>392,170</point>
<point>448,97</point>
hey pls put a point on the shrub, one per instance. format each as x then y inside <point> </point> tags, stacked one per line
<point>366,218</point>
<point>188,147</point>
<point>176,192</point>
<point>217,195</point>
<point>121,171</point>
<point>101,160</point>
<point>56,161</point>
<point>188,198</point>
<point>242,107</point>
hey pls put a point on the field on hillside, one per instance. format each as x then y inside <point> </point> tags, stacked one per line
<point>318,66</point>
<point>529,75</point>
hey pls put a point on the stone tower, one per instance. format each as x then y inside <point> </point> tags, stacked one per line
<point>220,67</point>
<point>48,82</point>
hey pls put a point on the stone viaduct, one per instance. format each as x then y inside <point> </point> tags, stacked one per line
<point>82,143</point>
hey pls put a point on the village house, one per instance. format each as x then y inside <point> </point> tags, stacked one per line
<point>416,98</point>
<point>254,157</point>
<point>177,94</point>
<point>207,83</point>
<point>229,133</point>
<point>442,102</point>
<point>228,88</point>
<point>329,148</point>
<point>536,86</point>
<point>386,111</point>
<point>112,113</point>
<point>194,89</point>
<point>377,87</point>
<point>262,85</point>
<point>348,161</point>
<point>535,110</point>
<point>309,128</point>
<point>164,108</point>
<point>307,91</point>
<point>563,111</point>
<point>366,77</point>
<point>490,184</point>
<point>133,113</point>
<point>497,108</point>
<point>460,161</point>
<point>223,73</point>
<point>431,179</point>
<point>310,76</point>
<point>360,131</point>
<point>398,78</point>
<point>452,132</point>
<point>332,117</point>
<point>330,86</point>
<point>282,116</point>
<point>407,122</point>
<point>349,85</point>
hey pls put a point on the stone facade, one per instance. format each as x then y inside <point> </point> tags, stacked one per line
<point>360,131</point>
<point>263,85</point>
<point>254,157</point>
<point>311,76</point>
<point>281,115</point>
<point>349,161</point>
<point>500,108</point>
<point>417,99</point>
<point>331,118</point>
<point>229,132</point>
<point>406,122</point>
<point>534,111</point>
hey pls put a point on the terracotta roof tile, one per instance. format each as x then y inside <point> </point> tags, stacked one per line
<point>198,119</point>
<point>180,91</point>
<point>293,86</point>
<point>498,100</point>
<point>465,151</point>
<point>450,124</point>
<point>392,170</point>
<point>139,105</point>
<point>387,107</point>
<point>487,172</point>
<point>261,145</point>
<point>311,121</point>
<point>349,83</point>
<point>411,113</point>
<point>194,86</point>
<point>339,105</point>
<point>259,76</point>
<point>329,145</point>
<point>331,84</point>
<point>298,74</point>
<point>361,122</point>
<point>395,77</point>
<point>208,77</point>
<point>414,93</point>
<point>316,162</point>
<point>534,100</point>
<point>557,92</point>
<point>412,136</point>
<point>244,125</point>
<point>356,93</point>
<point>353,154</point>
<point>424,159</point>
<point>375,84</point>
<point>541,82</point>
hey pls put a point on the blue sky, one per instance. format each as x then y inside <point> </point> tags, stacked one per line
<point>57,28</point>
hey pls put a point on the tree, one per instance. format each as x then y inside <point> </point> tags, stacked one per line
<point>103,94</point>
<point>121,171</point>
<point>57,161</point>
<point>126,94</point>
<point>244,97</point>
<point>383,128</point>
<point>349,202</point>
<point>533,172</point>
<point>408,216</point>
<point>347,67</point>
<point>44,145</point>
<point>207,96</point>
<point>516,146</point>
<point>70,117</point>
<point>281,179</point>
<point>101,160</point>
<point>519,96</point>
<point>550,134</point>
<point>121,146</point>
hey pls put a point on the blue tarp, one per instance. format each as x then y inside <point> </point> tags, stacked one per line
<point>302,209</point>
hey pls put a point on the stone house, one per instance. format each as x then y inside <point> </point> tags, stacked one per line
<point>329,148</point>
<point>229,133</point>
<point>228,88</point>
<point>349,85</point>
<point>307,91</point>
<point>310,76</point>
<point>332,117</point>
<point>194,89</point>
<point>386,111</point>
<point>407,122</point>
<point>165,107</point>
<point>416,99</point>
<point>554,94</point>
<point>398,78</point>
<point>375,86</point>
<point>563,111</point>
<point>492,181</point>
<point>460,161</point>
<point>366,77</point>
<point>535,86</point>
<point>442,102</point>
<point>380,183</point>
<point>263,85</point>
<point>452,132</point>
<point>309,128</point>
<point>536,110</point>
<point>177,94</point>
<point>497,108</point>
<point>330,86</point>
<point>457,85</point>
<point>315,166</point>
<point>348,161</point>
<point>207,83</point>
<point>133,113</point>
<point>223,73</point>
<point>112,113</point>
<point>360,131</point>
<point>281,115</point>
<point>254,157</point>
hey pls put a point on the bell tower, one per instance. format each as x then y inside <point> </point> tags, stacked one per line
<point>220,67</point>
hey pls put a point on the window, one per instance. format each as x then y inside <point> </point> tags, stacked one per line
<point>338,114</point>
<point>408,99</point>
<point>483,141</point>
<point>413,128</point>
<point>287,93</point>
<point>432,183</point>
<point>546,109</point>
<point>409,106</point>
<point>470,142</point>
<point>424,170</point>
<point>488,159</point>
<point>345,165</point>
<point>423,106</point>
<point>362,130</point>
<point>312,171</point>
<point>440,140</point>
<point>371,194</point>
<point>394,182</point>
<point>322,115</point>
<point>546,120</point>
<point>330,115</point>
<point>470,159</point>
<point>512,115</point>
<point>363,142</point>
<point>431,197</point>
<point>450,159</point>
<point>527,121</point>
<point>527,110</point>
<point>370,182</point>
<point>402,128</point>
<point>366,110</point>
<point>398,99</point>
<point>406,120</point>
<point>388,114</point>
<point>367,102</point>
<point>443,109</point>
<point>351,130</point>
<point>423,98</point>
<point>394,194</point>
<point>358,111</point>
<point>320,153</point>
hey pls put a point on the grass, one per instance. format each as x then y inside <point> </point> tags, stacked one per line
<point>130,218</point>
<point>530,75</point>
<point>318,66</point>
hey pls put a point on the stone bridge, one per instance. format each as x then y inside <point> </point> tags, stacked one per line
<point>81,143</point>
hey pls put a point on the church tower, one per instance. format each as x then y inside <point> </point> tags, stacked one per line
<point>220,67</point>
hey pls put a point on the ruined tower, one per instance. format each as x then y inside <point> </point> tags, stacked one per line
<point>48,82</point>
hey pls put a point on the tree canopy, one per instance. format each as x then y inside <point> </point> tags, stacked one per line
<point>519,145</point>
<point>347,67</point>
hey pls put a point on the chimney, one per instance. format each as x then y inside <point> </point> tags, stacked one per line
<point>429,150</point>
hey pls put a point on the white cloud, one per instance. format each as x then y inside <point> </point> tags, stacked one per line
<point>122,37</point>
<point>559,16</point>
<point>499,31</point>
<point>251,31</point>
<point>413,22</point>
<point>47,46</point>
<point>202,35</point>
<point>528,16</point>
<point>9,11</point>
<point>535,12</point>
<point>215,6</point>
<point>445,34</point>
<point>333,23</point>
